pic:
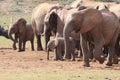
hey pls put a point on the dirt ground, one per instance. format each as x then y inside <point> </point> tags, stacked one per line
<point>12,59</point>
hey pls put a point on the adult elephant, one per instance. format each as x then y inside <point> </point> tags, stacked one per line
<point>38,15</point>
<point>55,19</point>
<point>101,28</point>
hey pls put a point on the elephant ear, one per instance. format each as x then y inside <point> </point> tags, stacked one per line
<point>91,18</point>
<point>53,21</point>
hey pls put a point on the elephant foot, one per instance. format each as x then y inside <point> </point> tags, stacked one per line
<point>39,49</point>
<point>86,65</point>
<point>109,64</point>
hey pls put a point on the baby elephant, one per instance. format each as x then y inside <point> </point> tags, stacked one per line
<point>58,46</point>
<point>23,32</point>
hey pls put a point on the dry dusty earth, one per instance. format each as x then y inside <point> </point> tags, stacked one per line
<point>13,62</point>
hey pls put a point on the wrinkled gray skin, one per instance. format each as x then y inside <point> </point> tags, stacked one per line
<point>57,45</point>
<point>23,32</point>
<point>93,27</point>
<point>55,19</point>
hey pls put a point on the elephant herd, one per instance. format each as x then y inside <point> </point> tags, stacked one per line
<point>91,31</point>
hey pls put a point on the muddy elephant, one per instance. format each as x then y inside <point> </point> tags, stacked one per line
<point>38,15</point>
<point>93,26</point>
<point>57,45</point>
<point>23,32</point>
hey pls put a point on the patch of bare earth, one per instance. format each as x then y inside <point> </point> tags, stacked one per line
<point>13,60</point>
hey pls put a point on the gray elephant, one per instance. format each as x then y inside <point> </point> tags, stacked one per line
<point>57,45</point>
<point>23,32</point>
<point>38,15</point>
<point>55,19</point>
<point>100,28</point>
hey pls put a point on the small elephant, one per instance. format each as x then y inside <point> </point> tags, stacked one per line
<point>57,45</point>
<point>23,32</point>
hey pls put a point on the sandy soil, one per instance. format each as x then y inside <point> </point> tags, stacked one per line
<point>11,59</point>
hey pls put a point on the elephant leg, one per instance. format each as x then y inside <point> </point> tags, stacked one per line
<point>112,55</point>
<point>98,43</point>
<point>105,51</point>
<point>24,43</point>
<point>14,46</point>
<point>47,54</point>
<point>80,54</point>
<point>32,45</point>
<point>56,57</point>
<point>39,45</point>
<point>109,60</point>
<point>20,46</point>
<point>59,53</point>
<point>78,47</point>
<point>14,43</point>
<point>85,52</point>
<point>47,38</point>
<point>117,46</point>
<point>67,54</point>
<point>91,48</point>
<point>73,56</point>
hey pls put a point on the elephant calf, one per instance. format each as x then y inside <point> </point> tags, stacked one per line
<point>58,46</point>
<point>23,32</point>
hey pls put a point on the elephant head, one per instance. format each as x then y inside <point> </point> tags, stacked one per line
<point>84,21</point>
<point>50,21</point>
<point>52,44</point>
<point>18,28</point>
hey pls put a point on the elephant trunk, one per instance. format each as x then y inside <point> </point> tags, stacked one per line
<point>66,33</point>
<point>10,35</point>
<point>47,38</point>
